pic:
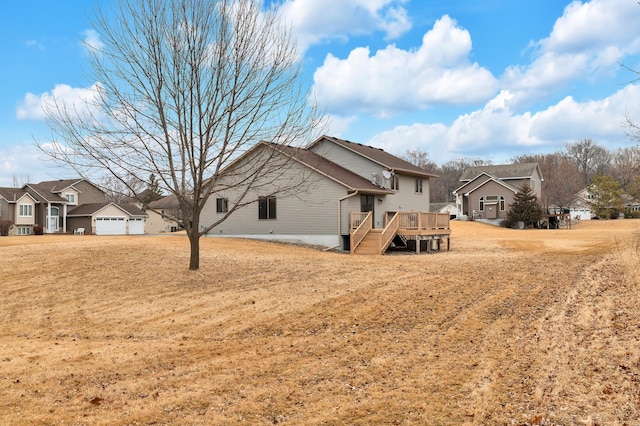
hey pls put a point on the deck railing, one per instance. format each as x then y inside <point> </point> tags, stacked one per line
<point>390,230</point>
<point>361,224</point>
<point>422,221</point>
<point>410,224</point>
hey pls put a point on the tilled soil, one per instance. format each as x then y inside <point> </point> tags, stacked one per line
<point>509,327</point>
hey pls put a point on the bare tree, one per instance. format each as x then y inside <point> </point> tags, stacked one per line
<point>22,181</point>
<point>118,192</point>
<point>420,158</point>
<point>590,158</point>
<point>562,179</point>
<point>185,87</point>
<point>626,165</point>
<point>449,177</point>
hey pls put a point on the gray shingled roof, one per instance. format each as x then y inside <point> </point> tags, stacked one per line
<point>166,202</point>
<point>12,194</point>
<point>86,209</point>
<point>380,156</point>
<point>44,191</point>
<point>132,210</point>
<point>56,186</point>
<point>346,177</point>
<point>503,171</point>
<point>91,208</point>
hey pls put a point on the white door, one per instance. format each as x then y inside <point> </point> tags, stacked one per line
<point>111,226</point>
<point>136,226</point>
<point>53,220</point>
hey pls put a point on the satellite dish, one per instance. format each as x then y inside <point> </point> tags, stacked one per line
<point>386,174</point>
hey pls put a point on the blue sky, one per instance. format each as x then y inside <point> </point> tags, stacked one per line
<point>487,79</point>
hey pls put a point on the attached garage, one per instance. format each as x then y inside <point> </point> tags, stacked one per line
<point>107,219</point>
<point>136,226</point>
<point>111,225</point>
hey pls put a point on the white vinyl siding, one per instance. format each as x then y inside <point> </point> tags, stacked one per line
<point>313,210</point>
<point>349,160</point>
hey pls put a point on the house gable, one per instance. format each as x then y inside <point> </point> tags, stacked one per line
<point>495,184</point>
<point>69,191</point>
<point>25,210</point>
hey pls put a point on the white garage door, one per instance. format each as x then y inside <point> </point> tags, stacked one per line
<point>136,226</point>
<point>111,226</point>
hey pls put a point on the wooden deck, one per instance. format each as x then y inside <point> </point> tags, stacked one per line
<point>412,226</point>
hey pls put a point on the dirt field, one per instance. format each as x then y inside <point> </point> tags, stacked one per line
<point>509,327</point>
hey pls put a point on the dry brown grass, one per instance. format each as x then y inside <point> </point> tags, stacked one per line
<point>509,327</point>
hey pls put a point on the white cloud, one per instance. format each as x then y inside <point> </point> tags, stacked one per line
<point>497,129</point>
<point>36,44</point>
<point>23,163</point>
<point>78,99</point>
<point>338,125</point>
<point>437,73</point>
<point>316,21</point>
<point>92,41</point>
<point>588,39</point>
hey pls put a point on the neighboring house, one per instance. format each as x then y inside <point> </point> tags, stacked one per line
<point>18,208</point>
<point>580,208</point>
<point>52,204</point>
<point>630,203</point>
<point>449,208</point>
<point>56,198</point>
<point>108,219</point>
<point>487,191</point>
<point>162,215</point>
<point>341,178</point>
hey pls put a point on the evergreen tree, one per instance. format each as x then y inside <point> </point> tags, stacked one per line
<point>525,207</point>
<point>153,191</point>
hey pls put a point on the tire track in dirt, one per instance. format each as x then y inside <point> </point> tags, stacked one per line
<point>506,366</point>
<point>590,352</point>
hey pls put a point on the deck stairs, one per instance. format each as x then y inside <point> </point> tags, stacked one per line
<point>370,243</point>
<point>403,225</point>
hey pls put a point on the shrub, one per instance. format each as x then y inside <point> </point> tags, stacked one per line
<point>635,214</point>
<point>506,223</point>
<point>38,230</point>
<point>4,227</point>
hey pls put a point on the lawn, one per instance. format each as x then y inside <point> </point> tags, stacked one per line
<point>508,327</point>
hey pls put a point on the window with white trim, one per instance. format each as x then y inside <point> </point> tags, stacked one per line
<point>71,198</point>
<point>502,203</point>
<point>26,210</point>
<point>419,185</point>
<point>481,207</point>
<point>23,230</point>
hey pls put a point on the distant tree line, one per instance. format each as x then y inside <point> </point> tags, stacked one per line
<point>565,172</point>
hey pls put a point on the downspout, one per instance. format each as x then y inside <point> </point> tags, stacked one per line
<point>357,192</point>
<point>64,218</point>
